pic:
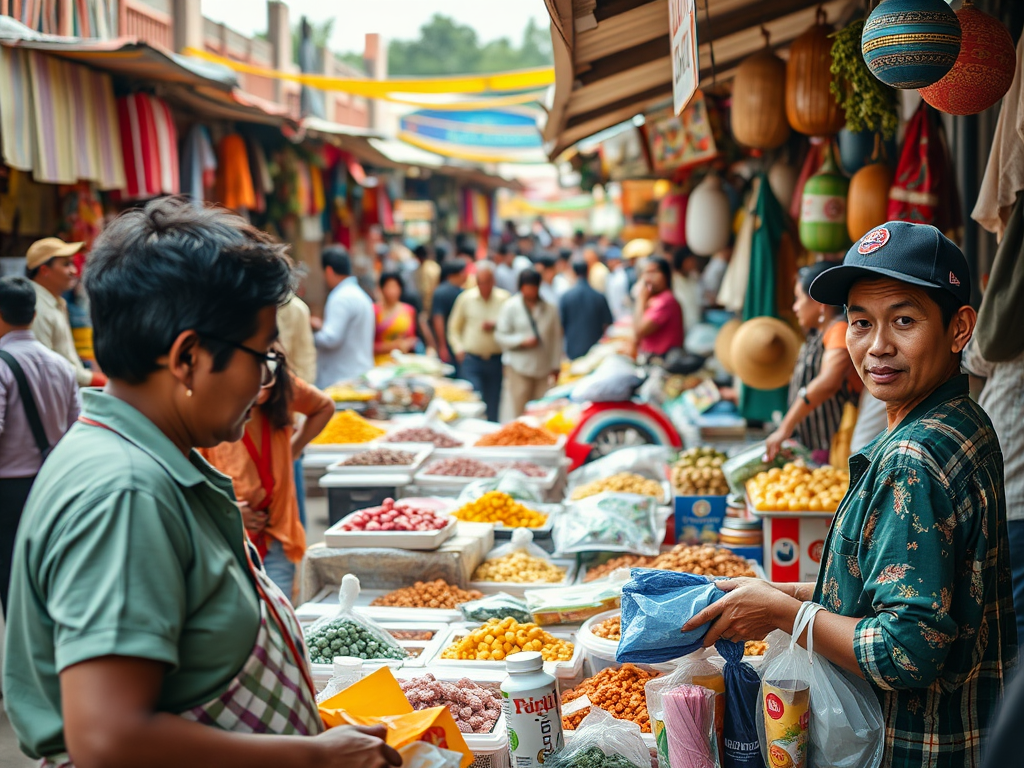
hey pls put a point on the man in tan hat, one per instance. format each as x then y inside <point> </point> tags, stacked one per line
<point>624,277</point>
<point>49,266</point>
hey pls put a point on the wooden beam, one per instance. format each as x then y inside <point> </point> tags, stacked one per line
<point>607,66</point>
<point>641,25</point>
<point>756,13</point>
<point>642,98</point>
<point>606,9</point>
<point>619,86</point>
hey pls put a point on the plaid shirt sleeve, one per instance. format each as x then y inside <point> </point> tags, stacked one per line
<point>908,561</point>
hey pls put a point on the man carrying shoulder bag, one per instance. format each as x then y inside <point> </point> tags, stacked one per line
<point>38,404</point>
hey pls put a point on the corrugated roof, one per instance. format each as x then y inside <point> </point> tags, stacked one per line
<point>612,57</point>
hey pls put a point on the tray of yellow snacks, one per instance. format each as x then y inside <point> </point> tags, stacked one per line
<point>506,513</point>
<point>346,431</point>
<point>514,567</point>
<point>798,488</point>
<point>625,482</point>
<point>486,646</point>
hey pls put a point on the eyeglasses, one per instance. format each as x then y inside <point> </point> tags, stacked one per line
<point>270,362</point>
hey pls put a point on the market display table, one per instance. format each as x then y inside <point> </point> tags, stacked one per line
<point>385,568</point>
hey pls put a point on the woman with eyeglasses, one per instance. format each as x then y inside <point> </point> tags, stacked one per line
<point>141,630</point>
<point>261,464</point>
<point>824,379</point>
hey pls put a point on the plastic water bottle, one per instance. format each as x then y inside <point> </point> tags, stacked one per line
<point>533,711</point>
<point>347,670</point>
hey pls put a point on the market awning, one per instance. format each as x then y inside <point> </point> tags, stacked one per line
<point>612,57</point>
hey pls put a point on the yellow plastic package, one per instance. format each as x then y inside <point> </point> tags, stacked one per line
<point>378,699</point>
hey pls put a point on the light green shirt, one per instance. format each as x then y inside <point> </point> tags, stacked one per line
<point>126,548</point>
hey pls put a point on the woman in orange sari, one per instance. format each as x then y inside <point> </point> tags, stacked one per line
<point>396,320</point>
<point>260,466</point>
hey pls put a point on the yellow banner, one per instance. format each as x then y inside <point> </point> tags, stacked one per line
<point>502,81</point>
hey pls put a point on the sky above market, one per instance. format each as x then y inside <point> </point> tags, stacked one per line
<point>399,19</point>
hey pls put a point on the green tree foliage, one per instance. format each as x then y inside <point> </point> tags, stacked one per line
<point>446,47</point>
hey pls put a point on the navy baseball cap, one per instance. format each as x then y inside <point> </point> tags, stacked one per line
<point>917,254</point>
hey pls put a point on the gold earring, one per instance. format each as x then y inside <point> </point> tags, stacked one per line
<point>188,393</point>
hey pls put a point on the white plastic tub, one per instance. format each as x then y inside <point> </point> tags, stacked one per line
<point>599,652</point>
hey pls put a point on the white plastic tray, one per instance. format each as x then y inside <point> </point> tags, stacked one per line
<point>756,566</point>
<point>423,479</point>
<point>517,590</point>
<point>568,673</point>
<point>537,453</point>
<point>336,538</point>
<point>326,601</point>
<point>340,447</point>
<point>421,452</point>
<point>424,650</point>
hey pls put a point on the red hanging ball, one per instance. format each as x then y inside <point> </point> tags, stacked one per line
<point>983,71</point>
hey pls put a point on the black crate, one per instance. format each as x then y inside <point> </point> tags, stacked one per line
<point>344,501</point>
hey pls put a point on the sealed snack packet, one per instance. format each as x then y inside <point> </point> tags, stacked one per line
<point>497,606</point>
<point>610,522</point>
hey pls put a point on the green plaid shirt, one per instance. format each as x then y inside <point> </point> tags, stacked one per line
<point>919,550</point>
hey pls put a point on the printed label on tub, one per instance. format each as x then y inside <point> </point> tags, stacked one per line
<point>534,721</point>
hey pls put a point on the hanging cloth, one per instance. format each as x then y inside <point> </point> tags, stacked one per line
<point>733,292</point>
<point>317,201</point>
<point>264,468</point>
<point>105,134</point>
<point>167,146</point>
<point>815,157</point>
<point>139,147</point>
<point>234,181</point>
<point>1004,174</point>
<point>387,219</point>
<point>198,163</point>
<point>1002,307</point>
<point>761,300</point>
<point>55,120</point>
<point>17,110</point>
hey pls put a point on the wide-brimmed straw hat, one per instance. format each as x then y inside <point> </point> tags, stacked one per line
<point>637,249</point>
<point>764,352</point>
<point>723,343</point>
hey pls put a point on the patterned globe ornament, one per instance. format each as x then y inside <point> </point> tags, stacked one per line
<point>983,71</point>
<point>911,43</point>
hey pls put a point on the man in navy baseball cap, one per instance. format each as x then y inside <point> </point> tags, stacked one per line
<point>915,572</point>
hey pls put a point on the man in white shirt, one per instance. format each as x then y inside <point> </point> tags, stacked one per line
<point>344,338</point>
<point>49,266</point>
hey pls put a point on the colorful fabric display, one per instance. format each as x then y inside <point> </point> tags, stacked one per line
<point>234,180</point>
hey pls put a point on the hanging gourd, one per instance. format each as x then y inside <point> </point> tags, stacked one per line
<point>759,101</point>
<point>708,216</point>
<point>984,69</point>
<point>782,178</point>
<point>911,43</point>
<point>823,208</point>
<point>672,219</point>
<point>868,200</point>
<point>857,148</point>
<point>811,108</point>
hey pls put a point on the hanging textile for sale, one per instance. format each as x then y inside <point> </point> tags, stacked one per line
<point>166,146</point>
<point>55,118</point>
<point>815,157</point>
<point>81,218</point>
<point>762,294</point>
<point>1004,174</point>
<point>17,111</point>
<point>103,127</point>
<point>1002,306</point>
<point>139,146</point>
<point>733,292</point>
<point>317,201</point>
<point>481,211</point>
<point>387,218</point>
<point>234,181</point>
<point>198,163</point>
<point>924,189</point>
<point>28,208</point>
<point>263,185</point>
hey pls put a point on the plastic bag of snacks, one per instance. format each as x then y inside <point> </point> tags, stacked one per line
<point>520,561</point>
<point>695,669</point>
<point>514,483</point>
<point>750,462</point>
<point>498,606</point>
<point>610,522</point>
<point>576,604</point>
<point>348,634</point>
<point>812,713</point>
<point>642,470</point>
<point>602,741</point>
<point>689,712</point>
<point>655,605</point>
<point>741,746</point>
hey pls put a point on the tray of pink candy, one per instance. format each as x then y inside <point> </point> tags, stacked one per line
<point>414,523</point>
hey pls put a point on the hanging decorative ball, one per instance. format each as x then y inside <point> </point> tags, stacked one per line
<point>911,43</point>
<point>868,200</point>
<point>983,71</point>
<point>782,179</point>
<point>672,219</point>
<point>823,208</point>
<point>708,217</point>
<point>811,108</point>
<point>759,101</point>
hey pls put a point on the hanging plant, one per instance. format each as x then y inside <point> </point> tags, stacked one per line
<point>869,104</point>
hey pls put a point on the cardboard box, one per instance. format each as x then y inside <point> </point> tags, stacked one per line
<point>698,518</point>
<point>794,544</point>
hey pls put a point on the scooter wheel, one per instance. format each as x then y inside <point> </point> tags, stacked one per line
<point>616,436</point>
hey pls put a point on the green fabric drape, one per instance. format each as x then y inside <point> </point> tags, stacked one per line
<point>760,404</point>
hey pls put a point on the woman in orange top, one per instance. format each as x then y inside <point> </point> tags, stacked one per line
<point>261,468</point>
<point>824,379</point>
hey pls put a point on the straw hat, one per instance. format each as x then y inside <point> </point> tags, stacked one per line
<point>763,352</point>
<point>723,343</point>
<point>637,249</point>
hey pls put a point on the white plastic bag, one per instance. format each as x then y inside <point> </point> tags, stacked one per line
<point>600,731</point>
<point>695,669</point>
<point>514,483</point>
<point>522,540</point>
<point>420,754</point>
<point>349,634</point>
<point>845,722</point>
<point>650,461</point>
<point>610,522</point>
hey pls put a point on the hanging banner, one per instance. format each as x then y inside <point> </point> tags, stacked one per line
<point>681,140</point>
<point>682,25</point>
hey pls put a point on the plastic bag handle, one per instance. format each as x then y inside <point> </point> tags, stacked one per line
<point>349,592</point>
<point>805,620</point>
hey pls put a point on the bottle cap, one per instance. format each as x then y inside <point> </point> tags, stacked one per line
<point>343,664</point>
<point>525,661</point>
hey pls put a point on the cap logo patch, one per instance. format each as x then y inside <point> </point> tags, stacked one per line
<point>872,241</point>
<point>953,280</point>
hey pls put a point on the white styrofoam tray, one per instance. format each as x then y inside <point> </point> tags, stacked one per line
<point>755,566</point>
<point>517,590</point>
<point>561,670</point>
<point>340,447</point>
<point>337,538</point>
<point>423,478</point>
<point>326,601</point>
<point>537,453</point>
<point>421,452</point>
<point>424,650</point>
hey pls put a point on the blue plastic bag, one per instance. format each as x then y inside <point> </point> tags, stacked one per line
<point>742,691</point>
<point>655,605</point>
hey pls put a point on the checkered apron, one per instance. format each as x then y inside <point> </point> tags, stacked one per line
<point>274,691</point>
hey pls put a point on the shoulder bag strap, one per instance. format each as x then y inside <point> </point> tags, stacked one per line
<point>29,403</point>
<point>533,324</point>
